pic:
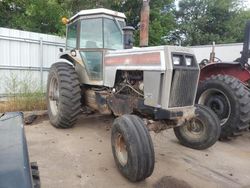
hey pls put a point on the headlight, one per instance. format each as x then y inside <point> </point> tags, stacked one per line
<point>73,53</point>
<point>176,60</point>
<point>189,61</point>
<point>184,60</point>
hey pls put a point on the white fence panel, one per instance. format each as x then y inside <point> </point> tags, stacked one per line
<point>226,52</point>
<point>26,55</point>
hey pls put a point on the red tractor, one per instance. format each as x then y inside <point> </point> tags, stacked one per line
<point>224,87</point>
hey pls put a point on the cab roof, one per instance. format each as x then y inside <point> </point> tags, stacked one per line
<point>98,11</point>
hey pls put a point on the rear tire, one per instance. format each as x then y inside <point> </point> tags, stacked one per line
<point>63,95</point>
<point>202,131</point>
<point>132,148</point>
<point>229,99</point>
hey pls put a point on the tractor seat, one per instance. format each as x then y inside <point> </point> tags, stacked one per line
<point>91,44</point>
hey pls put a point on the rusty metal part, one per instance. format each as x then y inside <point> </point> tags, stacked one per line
<point>121,104</point>
<point>188,114</point>
<point>212,54</point>
<point>97,101</point>
<point>90,99</point>
<point>121,149</point>
<point>144,25</point>
<point>158,126</point>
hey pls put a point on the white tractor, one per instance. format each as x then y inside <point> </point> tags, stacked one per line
<point>101,71</point>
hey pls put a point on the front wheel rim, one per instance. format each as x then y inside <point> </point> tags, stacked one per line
<point>195,128</point>
<point>121,149</point>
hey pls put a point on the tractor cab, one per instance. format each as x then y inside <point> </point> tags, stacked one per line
<point>90,33</point>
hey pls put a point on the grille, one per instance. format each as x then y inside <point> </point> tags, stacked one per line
<point>183,88</point>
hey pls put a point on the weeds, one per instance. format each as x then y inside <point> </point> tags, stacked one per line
<point>24,94</point>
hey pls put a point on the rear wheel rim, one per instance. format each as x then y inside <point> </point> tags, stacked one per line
<point>218,102</point>
<point>121,149</point>
<point>54,95</point>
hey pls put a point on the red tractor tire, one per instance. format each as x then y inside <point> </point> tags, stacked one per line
<point>229,98</point>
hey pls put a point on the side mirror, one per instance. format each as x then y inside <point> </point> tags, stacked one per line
<point>61,49</point>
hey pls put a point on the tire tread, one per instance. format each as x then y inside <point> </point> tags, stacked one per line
<point>70,96</point>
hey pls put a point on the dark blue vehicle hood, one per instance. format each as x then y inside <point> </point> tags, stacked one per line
<point>14,160</point>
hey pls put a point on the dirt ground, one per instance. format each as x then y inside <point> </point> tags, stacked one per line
<point>82,157</point>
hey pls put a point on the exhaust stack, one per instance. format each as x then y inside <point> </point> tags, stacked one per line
<point>144,25</point>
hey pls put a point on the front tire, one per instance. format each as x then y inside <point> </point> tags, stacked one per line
<point>132,148</point>
<point>202,131</point>
<point>63,95</point>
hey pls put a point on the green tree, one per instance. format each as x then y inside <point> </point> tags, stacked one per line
<point>161,15</point>
<point>45,15</point>
<point>10,10</point>
<point>32,15</point>
<point>161,18</point>
<point>42,16</point>
<point>161,21</point>
<point>203,21</point>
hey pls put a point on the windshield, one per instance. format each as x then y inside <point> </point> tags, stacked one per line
<point>112,35</point>
<point>100,33</point>
<point>91,33</point>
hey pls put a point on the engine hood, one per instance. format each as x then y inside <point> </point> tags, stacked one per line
<point>157,58</point>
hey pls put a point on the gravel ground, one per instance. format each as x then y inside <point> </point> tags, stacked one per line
<point>82,157</point>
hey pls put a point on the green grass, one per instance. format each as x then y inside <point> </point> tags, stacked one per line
<point>23,94</point>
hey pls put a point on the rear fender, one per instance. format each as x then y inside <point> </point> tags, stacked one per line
<point>233,69</point>
<point>67,57</point>
<point>79,66</point>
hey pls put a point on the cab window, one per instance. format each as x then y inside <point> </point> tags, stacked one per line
<point>112,35</point>
<point>93,63</point>
<point>91,38</point>
<point>71,36</point>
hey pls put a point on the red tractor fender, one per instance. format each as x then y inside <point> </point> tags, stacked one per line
<point>232,69</point>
